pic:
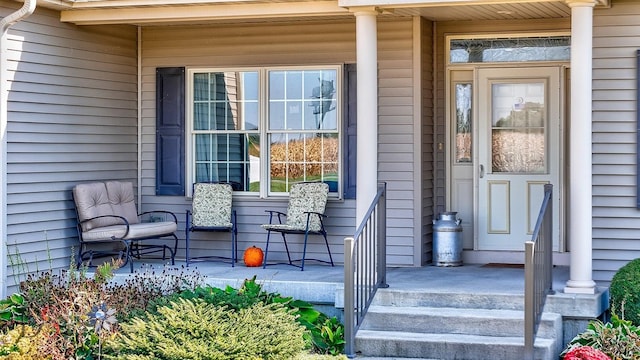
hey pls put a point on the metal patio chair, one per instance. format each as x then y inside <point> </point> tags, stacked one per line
<point>212,212</point>
<point>305,215</point>
<point>107,215</point>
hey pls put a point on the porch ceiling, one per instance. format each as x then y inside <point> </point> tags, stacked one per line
<point>163,12</point>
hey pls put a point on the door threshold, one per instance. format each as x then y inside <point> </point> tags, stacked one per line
<point>506,257</point>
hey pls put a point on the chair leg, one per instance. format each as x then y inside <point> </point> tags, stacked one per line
<point>266,250</point>
<point>304,250</point>
<point>328,249</point>
<point>234,238</point>
<point>235,241</point>
<point>127,254</point>
<point>173,253</point>
<point>286,247</point>
<point>187,246</point>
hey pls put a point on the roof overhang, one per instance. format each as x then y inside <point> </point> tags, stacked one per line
<point>198,12</point>
<point>151,12</point>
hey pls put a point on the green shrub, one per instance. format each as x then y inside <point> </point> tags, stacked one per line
<point>25,342</point>
<point>193,329</point>
<point>619,339</point>
<point>325,335</point>
<point>624,292</point>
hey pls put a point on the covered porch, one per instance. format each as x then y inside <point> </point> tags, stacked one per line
<point>480,303</point>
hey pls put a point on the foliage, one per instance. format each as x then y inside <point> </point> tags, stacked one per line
<point>67,303</point>
<point>138,291</point>
<point>619,339</point>
<point>585,353</point>
<point>72,315</point>
<point>325,335</point>
<point>194,329</point>
<point>25,342</point>
<point>13,311</point>
<point>624,292</point>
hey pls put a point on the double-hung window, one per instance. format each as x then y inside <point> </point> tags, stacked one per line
<point>264,129</point>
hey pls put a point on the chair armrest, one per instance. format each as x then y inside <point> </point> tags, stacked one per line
<point>162,213</point>
<point>320,215</point>
<point>124,222</point>
<point>279,213</point>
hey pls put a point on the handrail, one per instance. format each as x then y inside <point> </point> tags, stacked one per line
<point>365,267</point>
<point>537,269</point>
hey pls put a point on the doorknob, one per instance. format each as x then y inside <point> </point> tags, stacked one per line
<point>481,171</point>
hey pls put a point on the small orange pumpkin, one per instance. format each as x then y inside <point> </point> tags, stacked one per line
<point>253,256</point>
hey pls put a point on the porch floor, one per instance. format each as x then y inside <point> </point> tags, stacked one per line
<point>468,278</point>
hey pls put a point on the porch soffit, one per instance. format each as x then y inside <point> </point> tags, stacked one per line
<point>160,12</point>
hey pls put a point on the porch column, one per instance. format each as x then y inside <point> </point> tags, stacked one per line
<point>580,163</point>
<point>367,108</point>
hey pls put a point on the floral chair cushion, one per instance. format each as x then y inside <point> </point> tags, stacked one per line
<point>303,198</point>
<point>212,205</point>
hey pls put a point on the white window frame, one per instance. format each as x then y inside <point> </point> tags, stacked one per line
<point>263,101</point>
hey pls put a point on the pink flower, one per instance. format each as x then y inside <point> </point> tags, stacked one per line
<point>586,353</point>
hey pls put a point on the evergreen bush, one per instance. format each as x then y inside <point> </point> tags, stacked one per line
<point>624,292</point>
<point>195,330</point>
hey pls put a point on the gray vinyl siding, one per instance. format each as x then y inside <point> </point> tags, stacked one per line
<point>427,129</point>
<point>302,43</point>
<point>616,220</point>
<point>71,118</point>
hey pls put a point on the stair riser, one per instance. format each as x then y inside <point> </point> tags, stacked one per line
<point>446,350</point>
<point>435,324</point>
<point>466,301</point>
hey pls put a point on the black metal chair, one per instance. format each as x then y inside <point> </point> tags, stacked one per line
<point>212,212</point>
<point>305,215</point>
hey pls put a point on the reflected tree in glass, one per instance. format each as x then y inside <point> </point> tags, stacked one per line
<point>463,123</point>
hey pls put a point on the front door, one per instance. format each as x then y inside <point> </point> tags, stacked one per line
<point>519,128</point>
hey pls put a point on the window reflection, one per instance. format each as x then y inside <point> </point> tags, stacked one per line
<point>463,123</point>
<point>518,143</point>
<point>298,157</point>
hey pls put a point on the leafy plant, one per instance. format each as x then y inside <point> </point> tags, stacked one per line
<point>64,303</point>
<point>619,339</point>
<point>624,292</point>
<point>139,291</point>
<point>25,342</point>
<point>194,329</point>
<point>13,311</point>
<point>325,335</point>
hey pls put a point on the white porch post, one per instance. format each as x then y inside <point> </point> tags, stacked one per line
<point>367,108</point>
<point>580,163</point>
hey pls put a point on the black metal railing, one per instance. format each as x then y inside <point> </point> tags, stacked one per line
<point>537,271</point>
<point>365,267</point>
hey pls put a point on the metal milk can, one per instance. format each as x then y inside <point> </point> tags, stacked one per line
<point>447,240</point>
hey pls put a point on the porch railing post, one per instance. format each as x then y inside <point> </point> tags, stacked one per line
<point>382,233</point>
<point>529,293</point>
<point>349,299</point>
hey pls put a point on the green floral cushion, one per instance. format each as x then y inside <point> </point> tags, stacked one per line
<point>212,205</point>
<point>306,197</point>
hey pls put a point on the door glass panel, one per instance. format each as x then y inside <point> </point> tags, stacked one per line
<point>463,123</point>
<point>518,128</point>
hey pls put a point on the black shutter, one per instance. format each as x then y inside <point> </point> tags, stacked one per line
<point>350,131</point>
<point>170,129</point>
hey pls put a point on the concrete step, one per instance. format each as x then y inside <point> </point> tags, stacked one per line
<point>400,344</point>
<point>403,297</point>
<point>458,321</point>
